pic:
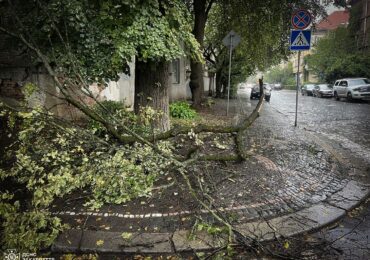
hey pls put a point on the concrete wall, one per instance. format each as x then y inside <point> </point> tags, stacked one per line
<point>123,89</point>
<point>12,80</point>
<point>179,90</point>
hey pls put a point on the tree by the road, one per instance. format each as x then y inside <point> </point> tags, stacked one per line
<point>283,75</point>
<point>264,29</point>
<point>51,157</point>
<point>337,56</point>
<point>98,39</point>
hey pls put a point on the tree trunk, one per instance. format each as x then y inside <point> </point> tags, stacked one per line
<point>196,83</point>
<point>196,78</point>
<point>152,81</point>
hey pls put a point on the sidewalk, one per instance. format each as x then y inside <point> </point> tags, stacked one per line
<point>292,183</point>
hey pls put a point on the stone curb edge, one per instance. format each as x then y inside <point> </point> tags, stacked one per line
<point>303,221</point>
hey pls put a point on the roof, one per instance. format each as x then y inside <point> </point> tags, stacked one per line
<point>350,78</point>
<point>333,21</point>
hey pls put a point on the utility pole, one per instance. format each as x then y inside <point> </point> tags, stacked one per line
<point>296,98</point>
<point>231,40</point>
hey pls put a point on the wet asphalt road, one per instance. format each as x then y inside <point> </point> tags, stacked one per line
<point>351,120</point>
<point>346,125</point>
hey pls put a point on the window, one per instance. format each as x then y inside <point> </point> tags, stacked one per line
<point>343,84</point>
<point>355,82</point>
<point>310,86</point>
<point>326,86</point>
<point>175,73</point>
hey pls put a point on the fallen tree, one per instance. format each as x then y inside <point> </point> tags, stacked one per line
<point>52,157</point>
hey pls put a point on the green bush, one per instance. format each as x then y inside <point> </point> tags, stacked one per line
<point>52,160</point>
<point>182,109</point>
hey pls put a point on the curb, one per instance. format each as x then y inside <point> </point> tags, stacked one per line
<point>303,221</point>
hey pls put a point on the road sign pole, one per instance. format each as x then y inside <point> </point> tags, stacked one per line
<point>228,84</point>
<point>231,40</point>
<point>296,98</point>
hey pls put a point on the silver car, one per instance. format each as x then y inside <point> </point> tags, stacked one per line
<point>323,90</point>
<point>352,88</point>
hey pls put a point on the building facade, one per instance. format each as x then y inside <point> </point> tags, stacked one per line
<point>337,17</point>
<point>360,18</point>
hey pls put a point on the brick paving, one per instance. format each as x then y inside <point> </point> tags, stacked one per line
<point>289,173</point>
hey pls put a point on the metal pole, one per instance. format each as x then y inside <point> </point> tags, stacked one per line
<point>228,84</point>
<point>296,98</point>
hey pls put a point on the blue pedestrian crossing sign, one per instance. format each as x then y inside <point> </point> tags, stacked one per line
<point>300,40</point>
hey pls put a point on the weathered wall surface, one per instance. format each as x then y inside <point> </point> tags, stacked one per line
<point>16,73</point>
<point>123,89</point>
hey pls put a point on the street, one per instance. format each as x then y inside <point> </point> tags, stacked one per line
<point>116,136</point>
<point>340,121</point>
<point>291,174</point>
<point>346,126</point>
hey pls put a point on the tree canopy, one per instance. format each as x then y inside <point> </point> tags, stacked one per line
<point>101,37</point>
<point>264,27</point>
<point>91,40</point>
<point>336,56</point>
<point>283,75</point>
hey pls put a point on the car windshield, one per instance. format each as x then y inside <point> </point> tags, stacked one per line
<point>326,87</point>
<point>355,82</point>
<point>310,86</point>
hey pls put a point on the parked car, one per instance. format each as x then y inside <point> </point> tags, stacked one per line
<point>277,86</point>
<point>352,88</point>
<point>255,92</point>
<point>323,90</point>
<point>307,89</point>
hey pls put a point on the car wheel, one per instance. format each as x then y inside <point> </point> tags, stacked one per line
<point>349,97</point>
<point>267,98</point>
<point>336,96</point>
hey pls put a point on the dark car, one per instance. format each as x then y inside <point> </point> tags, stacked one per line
<point>323,90</point>
<point>255,92</point>
<point>307,89</point>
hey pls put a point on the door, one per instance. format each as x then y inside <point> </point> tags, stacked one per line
<point>343,88</point>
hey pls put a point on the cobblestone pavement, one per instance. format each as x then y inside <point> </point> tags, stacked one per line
<point>347,127</point>
<point>288,168</point>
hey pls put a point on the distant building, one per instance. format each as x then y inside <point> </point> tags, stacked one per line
<point>333,21</point>
<point>360,19</point>
<point>338,18</point>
